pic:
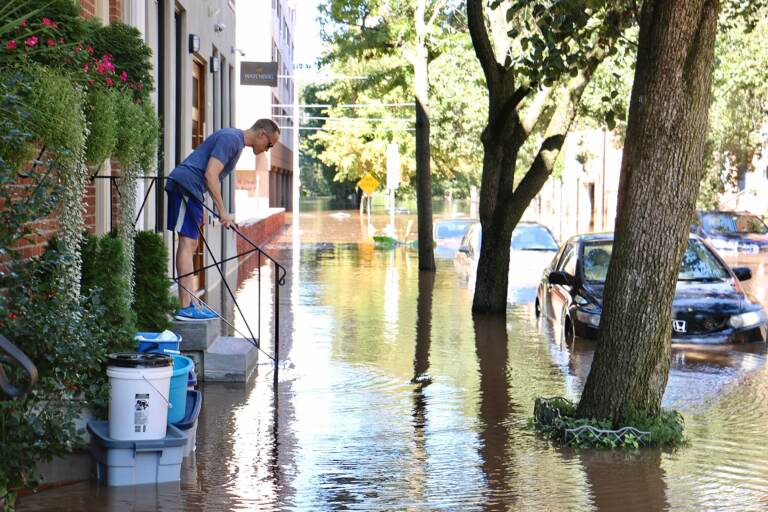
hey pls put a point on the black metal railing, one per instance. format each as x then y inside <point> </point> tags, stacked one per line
<point>280,271</point>
<point>15,353</point>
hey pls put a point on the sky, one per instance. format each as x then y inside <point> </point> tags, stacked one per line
<point>307,43</point>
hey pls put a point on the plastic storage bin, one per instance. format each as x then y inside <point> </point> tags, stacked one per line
<point>182,365</point>
<point>154,342</point>
<point>121,463</point>
<point>138,395</point>
<point>188,424</point>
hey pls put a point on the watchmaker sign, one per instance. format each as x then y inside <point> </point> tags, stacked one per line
<point>258,73</point>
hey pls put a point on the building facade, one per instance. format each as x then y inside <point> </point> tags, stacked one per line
<point>193,44</point>
<point>266,181</point>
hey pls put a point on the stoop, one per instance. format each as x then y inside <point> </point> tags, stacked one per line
<point>230,359</point>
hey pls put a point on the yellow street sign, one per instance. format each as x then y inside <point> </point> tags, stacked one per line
<point>368,184</point>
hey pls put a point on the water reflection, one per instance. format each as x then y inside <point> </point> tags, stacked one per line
<point>394,397</point>
<point>495,407</point>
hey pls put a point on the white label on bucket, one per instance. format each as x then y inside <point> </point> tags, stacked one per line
<point>141,412</point>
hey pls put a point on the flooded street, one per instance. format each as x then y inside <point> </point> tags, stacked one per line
<point>393,397</point>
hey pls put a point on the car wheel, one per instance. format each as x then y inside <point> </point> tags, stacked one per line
<point>568,331</point>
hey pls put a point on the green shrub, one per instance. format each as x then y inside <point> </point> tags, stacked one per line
<point>129,53</point>
<point>101,115</point>
<point>112,280</point>
<point>152,303</point>
<point>130,134</point>
<point>90,259</point>
<point>68,350</point>
<point>149,140</point>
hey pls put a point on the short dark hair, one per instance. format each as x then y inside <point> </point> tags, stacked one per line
<point>267,125</point>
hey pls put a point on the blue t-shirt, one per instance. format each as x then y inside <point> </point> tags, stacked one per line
<point>225,144</point>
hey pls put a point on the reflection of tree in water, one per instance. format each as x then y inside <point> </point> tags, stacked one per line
<point>626,481</point>
<point>421,379</point>
<point>495,409</point>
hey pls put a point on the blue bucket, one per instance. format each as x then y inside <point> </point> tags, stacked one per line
<point>182,365</point>
<point>148,342</point>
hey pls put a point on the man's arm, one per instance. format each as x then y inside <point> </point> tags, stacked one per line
<point>212,172</point>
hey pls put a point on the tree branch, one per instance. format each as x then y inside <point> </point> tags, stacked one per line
<point>534,111</point>
<point>557,129</point>
<point>438,7</point>
<point>482,45</point>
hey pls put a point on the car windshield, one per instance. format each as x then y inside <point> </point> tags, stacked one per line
<point>699,264</point>
<point>733,223</point>
<point>451,229</point>
<point>533,238</point>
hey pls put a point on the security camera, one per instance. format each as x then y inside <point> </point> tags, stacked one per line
<point>219,27</point>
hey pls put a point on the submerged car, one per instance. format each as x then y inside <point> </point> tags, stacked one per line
<point>531,248</point>
<point>710,305</point>
<point>447,234</point>
<point>732,232</point>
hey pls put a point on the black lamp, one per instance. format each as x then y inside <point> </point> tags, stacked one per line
<point>194,43</point>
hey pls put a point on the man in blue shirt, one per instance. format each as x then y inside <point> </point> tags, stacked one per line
<point>203,171</point>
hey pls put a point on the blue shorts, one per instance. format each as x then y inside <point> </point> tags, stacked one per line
<point>185,213</point>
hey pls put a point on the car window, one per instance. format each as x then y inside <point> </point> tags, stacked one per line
<point>733,223</point>
<point>532,238</point>
<point>699,264</point>
<point>568,261</point>
<point>595,261</point>
<point>450,229</point>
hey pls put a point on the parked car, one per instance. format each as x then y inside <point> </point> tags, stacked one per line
<point>531,248</point>
<point>729,232</point>
<point>447,234</point>
<point>710,305</point>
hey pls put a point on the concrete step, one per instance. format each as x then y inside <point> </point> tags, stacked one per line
<point>197,336</point>
<point>230,359</point>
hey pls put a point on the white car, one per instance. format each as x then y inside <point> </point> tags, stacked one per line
<point>532,247</point>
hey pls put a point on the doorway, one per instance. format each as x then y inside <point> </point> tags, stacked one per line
<point>198,135</point>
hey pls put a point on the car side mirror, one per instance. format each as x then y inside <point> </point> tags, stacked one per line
<point>742,273</point>
<point>464,249</point>
<point>560,278</point>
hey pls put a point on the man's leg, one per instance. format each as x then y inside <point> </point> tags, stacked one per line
<point>184,265</point>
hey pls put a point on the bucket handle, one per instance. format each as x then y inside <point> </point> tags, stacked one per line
<point>170,405</point>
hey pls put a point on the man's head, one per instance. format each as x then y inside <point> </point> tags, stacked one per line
<point>264,134</point>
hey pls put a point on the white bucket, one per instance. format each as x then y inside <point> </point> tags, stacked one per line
<point>138,399</point>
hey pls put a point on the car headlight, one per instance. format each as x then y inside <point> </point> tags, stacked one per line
<point>747,319</point>
<point>588,317</point>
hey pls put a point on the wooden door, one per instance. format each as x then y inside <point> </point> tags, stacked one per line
<point>198,135</point>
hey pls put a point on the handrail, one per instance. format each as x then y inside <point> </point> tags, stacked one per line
<point>15,353</point>
<point>280,271</point>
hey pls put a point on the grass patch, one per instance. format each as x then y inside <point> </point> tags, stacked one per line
<point>555,419</point>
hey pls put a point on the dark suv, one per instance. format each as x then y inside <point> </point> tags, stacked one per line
<point>732,232</point>
<point>710,306</point>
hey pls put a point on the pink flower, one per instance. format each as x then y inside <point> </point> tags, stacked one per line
<point>100,67</point>
<point>132,85</point>
<point>123,76</point>
<point>51,43</point>
<point>89,49</point>
<point>24,23</point>
<point>86,67</point>
<point>31,41</point>
<point>48,22</point>
<point>139,86</point>
<point>110,83</point>
<point>10,45</point>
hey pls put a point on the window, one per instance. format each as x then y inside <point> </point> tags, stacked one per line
<point>568,261</point>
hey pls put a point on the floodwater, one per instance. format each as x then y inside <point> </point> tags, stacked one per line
<point>393,397</point>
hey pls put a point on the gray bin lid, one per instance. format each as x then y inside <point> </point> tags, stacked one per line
<point>99,431</point>
<point>138,360</point>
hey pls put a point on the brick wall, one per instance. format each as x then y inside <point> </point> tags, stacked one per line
<point>260,232</point>
<point>114,10</point>
<point>88,8</point>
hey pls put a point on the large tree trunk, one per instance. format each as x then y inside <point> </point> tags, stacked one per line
<point>660,175</point>
<point>423,175</point>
